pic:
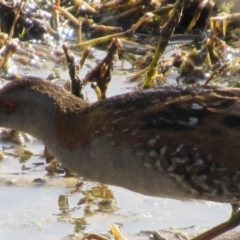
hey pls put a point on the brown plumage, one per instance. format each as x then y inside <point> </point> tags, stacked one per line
<point>177,142</point>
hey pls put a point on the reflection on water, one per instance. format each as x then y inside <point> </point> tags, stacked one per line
<point>55,208</point>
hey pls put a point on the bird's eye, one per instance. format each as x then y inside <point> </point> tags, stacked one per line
<point>7,105</point>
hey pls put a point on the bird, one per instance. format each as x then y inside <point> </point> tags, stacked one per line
<point>179,142</point>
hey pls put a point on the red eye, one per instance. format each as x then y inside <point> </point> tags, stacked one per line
<point>8,105</point>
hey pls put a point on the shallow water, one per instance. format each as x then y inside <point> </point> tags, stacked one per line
<point>29,209</point>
